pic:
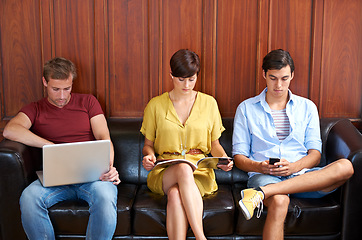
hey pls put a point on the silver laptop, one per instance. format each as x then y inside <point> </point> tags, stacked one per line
<point>71,163</point>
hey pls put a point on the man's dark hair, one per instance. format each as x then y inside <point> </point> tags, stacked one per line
<point>184,63</point>
<point>59,68</point>
<point>277,59</point>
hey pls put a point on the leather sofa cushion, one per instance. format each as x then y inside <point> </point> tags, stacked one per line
<point>150,213</point>
<point>65,215</point>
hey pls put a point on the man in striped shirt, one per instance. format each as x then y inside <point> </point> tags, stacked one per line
<point>279,124</point>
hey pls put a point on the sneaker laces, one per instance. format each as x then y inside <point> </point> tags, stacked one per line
<point>257,203</point>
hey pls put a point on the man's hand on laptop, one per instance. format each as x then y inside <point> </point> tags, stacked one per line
<point>111,176</point>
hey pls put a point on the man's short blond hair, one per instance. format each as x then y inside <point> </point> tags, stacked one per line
<point>59,68</point>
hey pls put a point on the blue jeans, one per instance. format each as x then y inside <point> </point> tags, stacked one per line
<point>101,197</point>
<point>260,180</point>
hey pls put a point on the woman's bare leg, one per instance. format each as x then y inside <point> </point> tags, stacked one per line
<point>176,219</point>
<point>182,175</point>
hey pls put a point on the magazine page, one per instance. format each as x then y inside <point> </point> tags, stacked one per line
<point>162,163</point>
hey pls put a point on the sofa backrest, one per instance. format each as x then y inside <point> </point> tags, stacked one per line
<point>128,143</point>
<point>235,175</point>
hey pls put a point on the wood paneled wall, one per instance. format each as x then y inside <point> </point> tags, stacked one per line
<point>122,49</point>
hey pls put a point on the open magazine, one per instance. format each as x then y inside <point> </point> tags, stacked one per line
<point>207,162</point>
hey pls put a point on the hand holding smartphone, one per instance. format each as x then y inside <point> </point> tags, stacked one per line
<point>273,160</point>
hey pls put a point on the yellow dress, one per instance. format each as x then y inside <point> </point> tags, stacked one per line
<point>162,126</point>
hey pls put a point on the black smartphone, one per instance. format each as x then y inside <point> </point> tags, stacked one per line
<point>224,161</point>
<point>273,160</point>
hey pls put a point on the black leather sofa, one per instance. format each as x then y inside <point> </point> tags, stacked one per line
<point>141,214</point>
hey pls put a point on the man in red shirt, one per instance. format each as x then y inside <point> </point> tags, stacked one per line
<point>63,117</point>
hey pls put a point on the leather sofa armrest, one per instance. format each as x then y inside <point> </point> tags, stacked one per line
<point>18,163</point>
<point>345,141</point>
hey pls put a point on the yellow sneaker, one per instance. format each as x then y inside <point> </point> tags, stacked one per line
<point>251,199</point>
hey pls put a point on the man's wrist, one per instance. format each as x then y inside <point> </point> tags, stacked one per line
<point>259,167</point>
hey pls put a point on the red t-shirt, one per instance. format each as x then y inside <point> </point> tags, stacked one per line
<point>62,125</point>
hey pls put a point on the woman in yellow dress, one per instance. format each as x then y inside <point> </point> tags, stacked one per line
<point>182,123</point>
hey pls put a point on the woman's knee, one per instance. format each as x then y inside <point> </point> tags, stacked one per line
<point>183,170</point>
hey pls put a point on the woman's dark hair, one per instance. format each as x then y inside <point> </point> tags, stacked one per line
<point>59,68</point>
<point>184,63</point>
<point>277,59</point>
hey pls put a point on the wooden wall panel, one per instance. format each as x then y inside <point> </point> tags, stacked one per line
<point>20,55</point>
<point>122,49</point>
<point>208,56</point>
<point>181,27</point>
<point>101,53</point>
<point>316,52</point>
<point>236,47</point>
<point>155,46</point>
<point>74,39</point>
<point>290,29</point>
<point>341,86</point>
<point>263,43</point>
<point>128,58</point>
